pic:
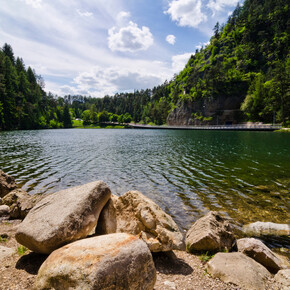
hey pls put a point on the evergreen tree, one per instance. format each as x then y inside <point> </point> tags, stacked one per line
<point>67,122</point>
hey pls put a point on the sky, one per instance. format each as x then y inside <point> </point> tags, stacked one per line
<point>101,47</point>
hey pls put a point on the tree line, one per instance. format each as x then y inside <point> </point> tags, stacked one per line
<point>248,56</point>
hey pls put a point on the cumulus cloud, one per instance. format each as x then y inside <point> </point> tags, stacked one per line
<point>180,60</point>
<point>123,18</point>
<point>170,39</point>
<point>221,5</point>
<point>84,13</point>
<point>130,38</point>
<point>99,82</point>
<point>186,12</point>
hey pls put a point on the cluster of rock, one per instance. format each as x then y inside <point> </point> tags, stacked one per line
<point>96,240</point>
<point>64,225</point>
<point>246,262</point>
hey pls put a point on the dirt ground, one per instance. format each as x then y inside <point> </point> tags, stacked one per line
<point>175,270</point>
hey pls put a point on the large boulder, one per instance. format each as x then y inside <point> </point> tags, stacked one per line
<point>266,229</point>
<point>115,261</point>
<point>7,183</point>
<point>63,217</point>
<point>136,214</point>
<point>20,203</point>
<point>283,279</point>
<point>238,269</point>
<point>258,251</point>
<point>210,233</point>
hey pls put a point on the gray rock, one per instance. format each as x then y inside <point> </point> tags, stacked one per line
<point>238,269</point>
<point>4,211</point>
<point>115,261</point>
<point>7,183</point>
<point>256,250</point>
<point>210,233</point>
<point>267,229</point>
<point>63,217</point>
<point>5,252</point>
<point>136,214</point>
<point>283,279</point>
<point>20,203</point>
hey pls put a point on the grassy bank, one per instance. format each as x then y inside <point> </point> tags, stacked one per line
<point>78,124</point>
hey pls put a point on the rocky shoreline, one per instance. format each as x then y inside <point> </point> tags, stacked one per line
<point>86,238</point>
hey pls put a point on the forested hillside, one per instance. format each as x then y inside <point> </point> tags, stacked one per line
<point>23,102</point>
<point>242,75</point>
<point>245,66</point>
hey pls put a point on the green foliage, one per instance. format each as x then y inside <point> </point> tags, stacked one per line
<point>205,257</point>
<point>3,238</point>
<point>247,59</point>
<point>23,102</point>
<point>77,123</point>
<point>21,250</point>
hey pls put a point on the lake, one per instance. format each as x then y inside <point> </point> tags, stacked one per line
<point>245,174</point>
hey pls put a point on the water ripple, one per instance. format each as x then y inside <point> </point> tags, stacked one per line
<point>186,172</point>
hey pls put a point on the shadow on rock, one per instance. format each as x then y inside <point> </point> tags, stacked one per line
<point>169,263</point>
<point>31,262</point>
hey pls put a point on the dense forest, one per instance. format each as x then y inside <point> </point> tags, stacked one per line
<point>23,102</point>
<point>247,59</point>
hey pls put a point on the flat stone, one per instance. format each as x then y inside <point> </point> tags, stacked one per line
<point>258,251</point>
<point>267,228</point>
<point>115,261</point>
<point>63,217</point>
<point>210,233</point>
<point>238,269</point>
<point>136,214</point>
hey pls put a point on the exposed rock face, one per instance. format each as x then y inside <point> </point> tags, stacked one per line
<point>20,203</point>
<point>115,261</point>
<point>283,279</point>
<point>4,211</point>
<point>222,110</point>
<point>267,228</point>
<point>256,250</point>
<point>210,233</point>
<point>63,217</point>
<point>136,214</point>
<point>7,183</point>
<point>238,269</point>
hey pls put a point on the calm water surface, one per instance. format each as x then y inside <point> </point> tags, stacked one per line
<point>245,174</point>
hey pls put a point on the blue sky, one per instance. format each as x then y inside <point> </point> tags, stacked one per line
<point>99,47</point>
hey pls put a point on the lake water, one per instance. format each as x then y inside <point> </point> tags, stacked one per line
<point>245,174</point>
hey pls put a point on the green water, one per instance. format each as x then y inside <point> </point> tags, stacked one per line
<point>244,174</point>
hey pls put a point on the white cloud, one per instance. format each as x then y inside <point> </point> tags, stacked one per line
<point>186,12</point>
<point>170,39</point>
<point>84,13</point>
<point>33,3</point>
<point>180,60</point>
<point>123,18</point>
<point>130,38</point>
<point>220,5</point>
<point>99,82</point>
